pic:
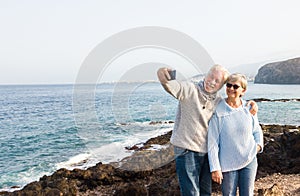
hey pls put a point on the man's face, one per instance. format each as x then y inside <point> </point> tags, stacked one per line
<point>213,81</point>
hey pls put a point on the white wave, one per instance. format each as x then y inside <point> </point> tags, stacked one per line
<point>78,161</point>
<point>23,178</point>
<point>157,147</point>
<point>111,152</point>
<point>147,123</point>
<point>10,189</point>
<point>116,151</point>
<point>145,135</point>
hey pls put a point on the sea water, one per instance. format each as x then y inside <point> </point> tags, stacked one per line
<point>40,131</point>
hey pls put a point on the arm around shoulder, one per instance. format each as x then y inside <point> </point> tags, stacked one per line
<point>258,135</point>
<point>254,108</point>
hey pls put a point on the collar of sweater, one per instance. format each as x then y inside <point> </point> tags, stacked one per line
<point>223,109</point>
<point>208,96</point>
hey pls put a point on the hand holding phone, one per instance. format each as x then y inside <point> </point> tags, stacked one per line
<point>172,74</point>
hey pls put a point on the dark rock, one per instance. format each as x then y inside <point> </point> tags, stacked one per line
<point>284,72</point>
<point>274,100</point>
<point>134,147</point>
<point>132,189</point>
<point>53,192</point>
<point>160,122</point>
<point>261,99</point>
<point>34,186</point>
<point>281,150</point>
<point>161,140</point>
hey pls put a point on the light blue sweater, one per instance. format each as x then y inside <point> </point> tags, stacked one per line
<point>233,136</point>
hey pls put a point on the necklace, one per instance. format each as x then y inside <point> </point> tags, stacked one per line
<point>203,96</point>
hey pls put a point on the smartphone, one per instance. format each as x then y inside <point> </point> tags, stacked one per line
<point>173,74</point>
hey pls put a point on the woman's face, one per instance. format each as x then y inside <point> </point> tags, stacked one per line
<point>234,89</point>
<point>213,81</point>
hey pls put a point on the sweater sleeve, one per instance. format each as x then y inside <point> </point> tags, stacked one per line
<point>180,90</point>
<point>257,133</point>
<point>213,144</point>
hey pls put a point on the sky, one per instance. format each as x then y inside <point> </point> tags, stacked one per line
<point>47,42</point>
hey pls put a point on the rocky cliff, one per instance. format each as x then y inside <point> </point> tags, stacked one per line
<point>284,72</point>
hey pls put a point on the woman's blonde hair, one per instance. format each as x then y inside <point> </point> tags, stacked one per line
<point>238,77</point>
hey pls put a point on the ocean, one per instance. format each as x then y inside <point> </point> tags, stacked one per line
<point>42,130</point>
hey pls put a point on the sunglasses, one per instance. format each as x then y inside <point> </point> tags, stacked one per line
<point>228,85</point>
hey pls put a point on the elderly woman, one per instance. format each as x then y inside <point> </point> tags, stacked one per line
<point>234,139</point>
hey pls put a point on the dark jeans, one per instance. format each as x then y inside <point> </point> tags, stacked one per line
<point>243,178</point>
<point>193,172</point>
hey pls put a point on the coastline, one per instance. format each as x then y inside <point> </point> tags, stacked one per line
<point>279,167</point>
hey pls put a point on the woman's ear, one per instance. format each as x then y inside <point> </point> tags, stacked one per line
<point>243,92</point>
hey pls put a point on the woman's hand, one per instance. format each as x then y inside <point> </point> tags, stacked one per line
<point>254,108</point>
<point>217,176</point>
<point>258,148</point>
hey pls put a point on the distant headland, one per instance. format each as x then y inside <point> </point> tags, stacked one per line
<point>283,72</point>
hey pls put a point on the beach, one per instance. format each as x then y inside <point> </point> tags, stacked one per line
<point>278,171</point>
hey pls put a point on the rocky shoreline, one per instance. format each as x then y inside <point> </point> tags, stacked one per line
<point>152,172</point>
<point>275,100</point>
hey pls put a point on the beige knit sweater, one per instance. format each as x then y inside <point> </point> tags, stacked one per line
<point>195,109</point>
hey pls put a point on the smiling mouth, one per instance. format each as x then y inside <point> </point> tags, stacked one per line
<point>210,86</point>
<point>231,92</point>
